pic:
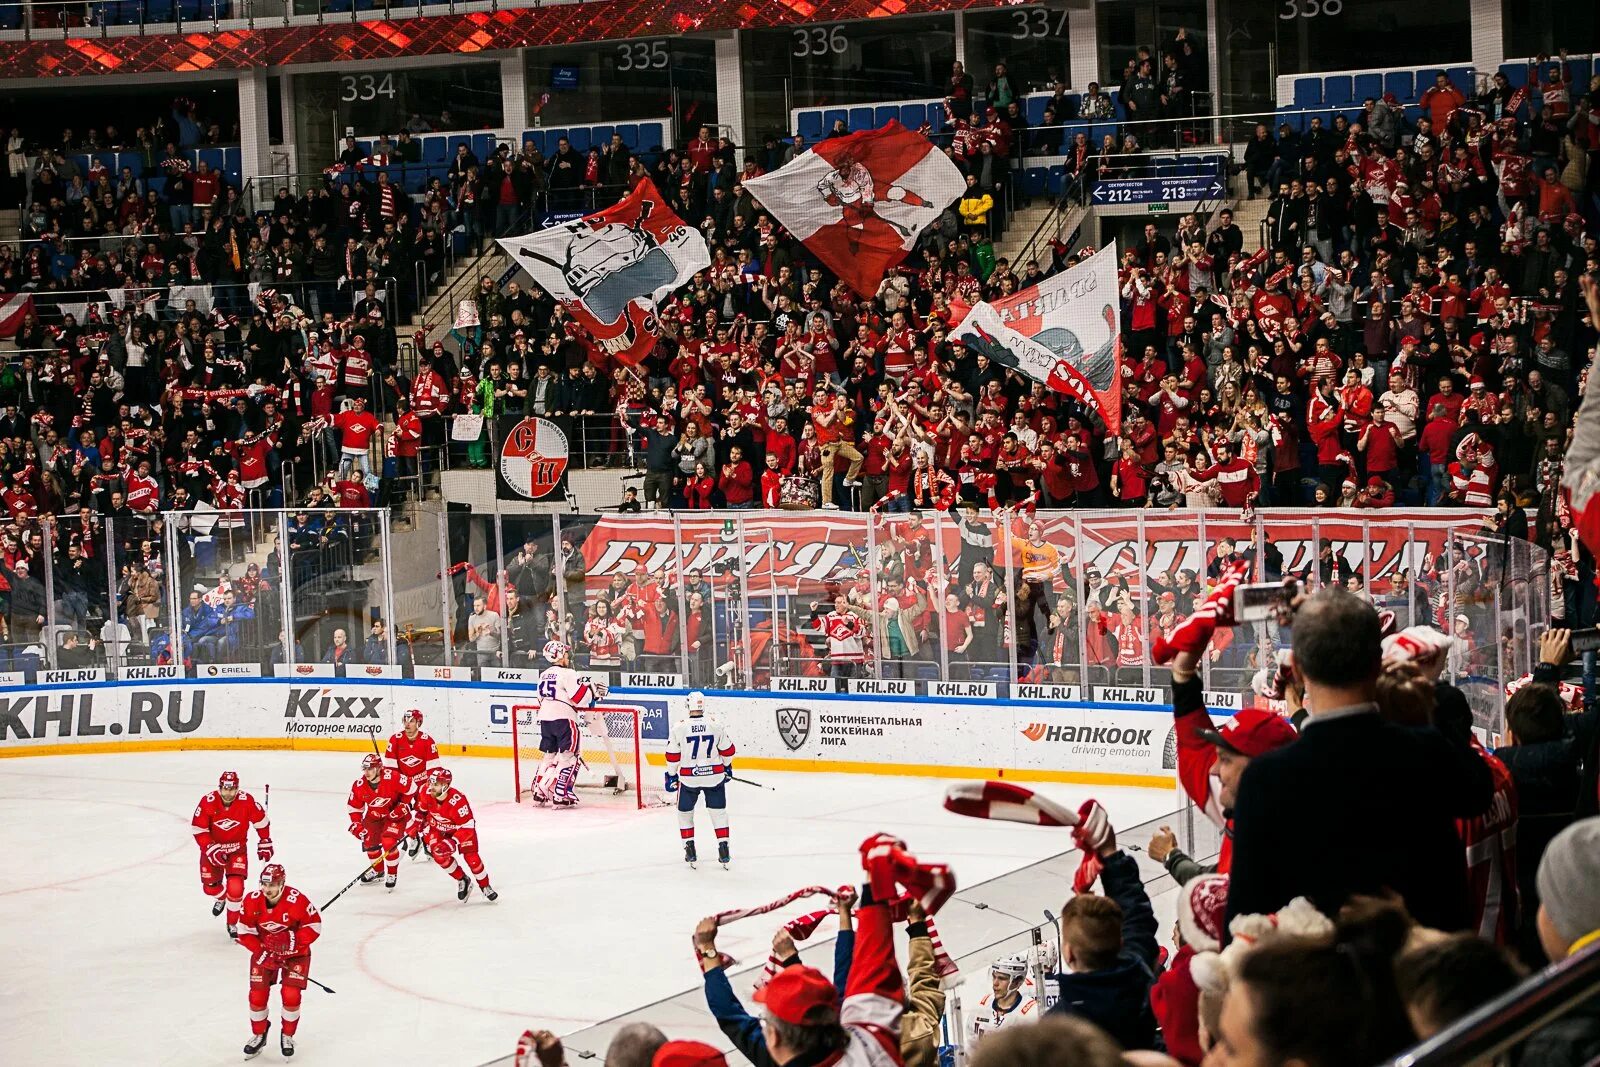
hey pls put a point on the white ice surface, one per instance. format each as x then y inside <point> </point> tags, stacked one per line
<point>111,954</point>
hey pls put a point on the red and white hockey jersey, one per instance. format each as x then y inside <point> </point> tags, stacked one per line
<point>216,823</point>
<point>1491,844</point>
<point>285,929</point>
<point>449,814</point>
<point>383,801</point>
<point>411,757</point>
<point>845,632</point>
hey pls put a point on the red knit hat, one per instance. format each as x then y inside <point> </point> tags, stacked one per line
<point>687,1054</point>
<point>1203,910</point>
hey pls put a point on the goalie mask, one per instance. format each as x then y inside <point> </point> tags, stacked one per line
<point>556,652</point>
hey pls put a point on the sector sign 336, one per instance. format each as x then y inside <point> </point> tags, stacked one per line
<point>533,459</point>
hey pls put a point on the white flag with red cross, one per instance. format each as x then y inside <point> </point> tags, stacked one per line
<point>860,202</point>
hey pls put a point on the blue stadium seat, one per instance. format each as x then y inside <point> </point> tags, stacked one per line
<point>484,144</point>
<point>652,136</point>
<point>832,115</point>
<point>537,137</point>
<point>1307,91</point>
<point>414,178</point>
<point>552,140</point>
<point>579,136</point>
<point>82,163</point>
<point>455,141</point>
<point>602,135</point>
<point>211,157</point>
<point>808,124</point>
<point>1402,84</point>
<point>1056,179</point>
<point>1164,166</point>
<point>1462,78</point>
<point>158,10</point>
<point>912,116</point>
<point>1363,86</point>
<point>157,182</point>
<point>10,18</point>
<point>435,150</point>
<point>1336,90</point>
<point>1516,74</point>
<point>364,147</point>
<point>133,161</point>
<point>861,119</point>
<point>1034,109</point>
<point>1295,117</point>
<point>1425,79</point>
<point>1034,181</point>
<point>629,132</point>
<point>884,114</point>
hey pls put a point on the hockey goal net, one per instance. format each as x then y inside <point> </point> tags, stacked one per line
<point>611,761</point>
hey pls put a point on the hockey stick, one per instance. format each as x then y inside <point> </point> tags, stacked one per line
<point>319,985</point>
<point>746,781</point>
<point>351,882</point>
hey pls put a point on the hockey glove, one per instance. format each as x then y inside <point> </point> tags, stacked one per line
<point>266,961</point>
<point>600,689</point>
<point>672,782</point>
<point>281,943</point>
<point>356,831</point>
<point>264,849</point>
<point>217,855</point>
<point>1194,633</point>
<point>727,775</point>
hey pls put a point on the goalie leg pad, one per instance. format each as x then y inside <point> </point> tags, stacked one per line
<point>567,775</point>
<point>545,778</point>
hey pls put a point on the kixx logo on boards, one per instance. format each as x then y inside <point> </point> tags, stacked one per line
<point>323,704</point>
<point>43,715</point>
<point>1087,735</point>
<point>794,726</point>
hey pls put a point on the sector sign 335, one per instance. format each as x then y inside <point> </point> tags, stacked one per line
<point>533,460</point>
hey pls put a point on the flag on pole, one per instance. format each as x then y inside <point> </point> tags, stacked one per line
<point>1064,332</point>
<point>609,269</point>
<point>859,202</point>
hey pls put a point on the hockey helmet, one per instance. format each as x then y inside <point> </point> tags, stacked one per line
<point>697,703</point>
<point>440,777</point>
<point>229,780</point>
<point>413,715</point>
<point>371,762</point>
<point>556,651</point>
<point>1012,968</point>
<point>272,874</point>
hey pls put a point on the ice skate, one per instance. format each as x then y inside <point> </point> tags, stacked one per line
<point>689,856</point>
<point>413,846</point>
<point>217,908</point>
<point>463,887</point>
<point>233,931</point>
<point>389,882</point>
<point>285,1045</point>
<point>489,894</point>
<point>257,1042</point>
<point>722,854</point>
<point>370,875</point>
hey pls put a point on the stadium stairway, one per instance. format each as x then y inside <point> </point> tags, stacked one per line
<point>1248,215</point>
<point>437,317</point>
<point>1024,224</point>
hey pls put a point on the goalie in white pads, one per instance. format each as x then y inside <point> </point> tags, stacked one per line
<point>1007,1002</point>
<point>700,761</point>
<point>563,696</point>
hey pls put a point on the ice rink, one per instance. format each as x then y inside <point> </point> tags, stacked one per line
<point>112,955</point>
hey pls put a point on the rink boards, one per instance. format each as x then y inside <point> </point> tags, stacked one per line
<point>1096,742</point>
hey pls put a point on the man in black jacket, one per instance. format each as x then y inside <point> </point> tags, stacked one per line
<point>1357,805</point>
<point>1109,949</point>
<point>1551,760</point>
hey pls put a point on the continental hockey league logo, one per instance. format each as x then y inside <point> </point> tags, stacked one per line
<point>794,726</point>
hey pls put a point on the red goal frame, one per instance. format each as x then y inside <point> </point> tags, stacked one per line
<point>600,758</point>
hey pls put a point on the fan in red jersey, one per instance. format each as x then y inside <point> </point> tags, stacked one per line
<point>450,829</point>
<point>380,811</point>
<point>222,822</point>
<point>278,927</point>
<point>411,754</point>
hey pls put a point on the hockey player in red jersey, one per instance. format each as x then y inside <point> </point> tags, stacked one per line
<point>412,754</point>
<point>221,827</point>
<point>278,927</point>
<point>448,828</point>
<point>379,815</point>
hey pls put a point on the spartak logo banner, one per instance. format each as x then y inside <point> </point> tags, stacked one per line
<point>1065,332</point>
<point>532,462</point>
<point>859,202</point>
<point>610,269</point>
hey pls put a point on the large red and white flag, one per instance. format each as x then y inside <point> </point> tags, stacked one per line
<point>13,308</point>
<point>611,268</point>
<point>860,202</point>
<point>1064,332</point>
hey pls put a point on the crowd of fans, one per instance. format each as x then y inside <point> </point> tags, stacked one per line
<point>1383,874</point>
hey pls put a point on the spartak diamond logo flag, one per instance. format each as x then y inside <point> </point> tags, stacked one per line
<point>859,202</point>
<point>1065,332</point>
<point>611,268</point>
